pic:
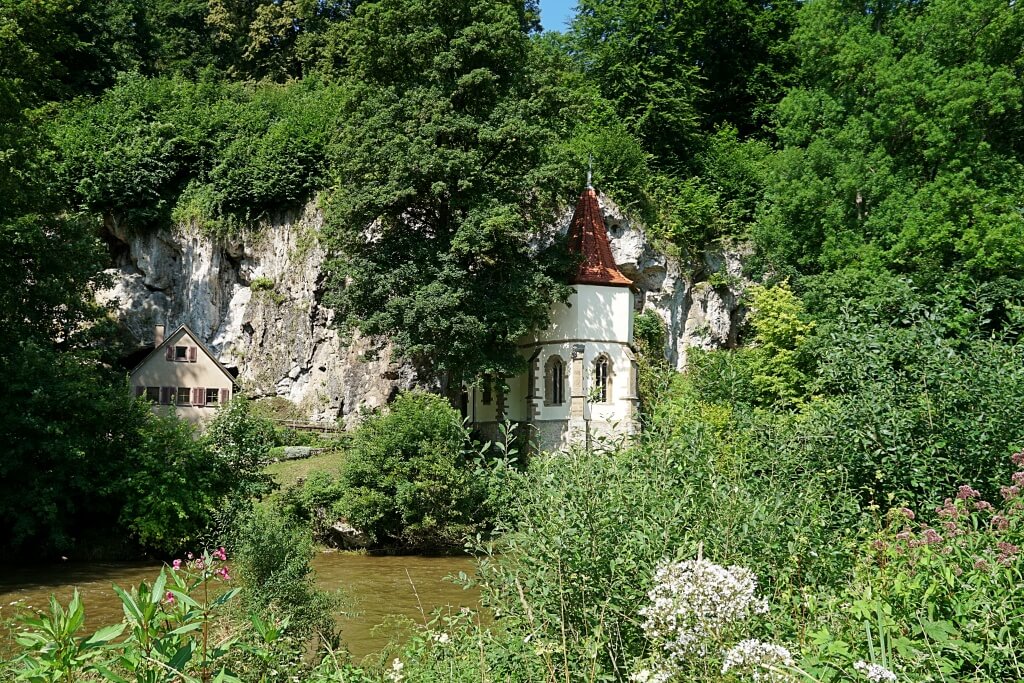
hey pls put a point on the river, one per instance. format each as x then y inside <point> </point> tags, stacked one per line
<point>376,587</point>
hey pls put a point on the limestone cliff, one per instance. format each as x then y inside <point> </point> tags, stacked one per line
<point>257,300</point>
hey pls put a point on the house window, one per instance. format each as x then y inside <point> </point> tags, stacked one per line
<point>212,396</point>
<point>184,397</point>
<point>602,380</point>
<point>180,353</point>
<point>488,393</point>
<point>153,394</point>
<point>555,382</point>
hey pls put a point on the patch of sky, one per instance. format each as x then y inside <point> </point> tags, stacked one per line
<point>555,15</point>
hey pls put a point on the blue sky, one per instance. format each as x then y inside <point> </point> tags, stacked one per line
<point>554,14</point>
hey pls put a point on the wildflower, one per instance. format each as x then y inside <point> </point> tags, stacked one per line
<point>440,638</point>
<point>879,545</point>
<point>648,676</point>
<point>907,512</point>
<point>965,492</point>
<point>1018,458</point>
<point>692,602</point>
<point>169,598</point>
<point>395,674</point>
<point>759,659</point>
<point>200,565</point>
<point>1018,478</point>
<point>1009,492</point>
<point>931,536</point>
<point>223,573</point>
<point>1007,551</point>
<point>981,564</point>
<point>982,505</point>
<point>1000,523</point>
<point>874,672</point>
<point>220,554</point>
<point>948,509</point>
<point>190,556</point>
<point>176,565</point>
<point>903,536</point>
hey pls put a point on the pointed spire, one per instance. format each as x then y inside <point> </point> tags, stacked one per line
<point>588,239</point>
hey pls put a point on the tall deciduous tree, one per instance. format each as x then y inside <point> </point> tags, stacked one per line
<point>443,180</point>
<point>903,144</point>
<point>679,68</point>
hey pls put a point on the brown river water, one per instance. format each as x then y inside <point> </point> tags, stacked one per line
<point>376,589</point>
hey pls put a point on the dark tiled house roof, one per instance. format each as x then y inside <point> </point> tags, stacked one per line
<point>589,239</point>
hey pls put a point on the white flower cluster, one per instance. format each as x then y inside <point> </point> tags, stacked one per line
<point>693,602</point>
<point>759,660</point>
<point>649,676</point>
<point>874,672</point>
<point>395,674</point>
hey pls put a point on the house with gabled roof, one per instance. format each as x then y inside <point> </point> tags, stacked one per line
<point>183,375</point>
<point>581,381</point>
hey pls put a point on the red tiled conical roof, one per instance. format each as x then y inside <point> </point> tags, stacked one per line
<point>588,239</point>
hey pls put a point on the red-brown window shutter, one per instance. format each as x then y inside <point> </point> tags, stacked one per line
<point>165,395</point>
<point>199,396</point>
<point>192,354</point>
<point>225,395</point>
<point>169,353</point>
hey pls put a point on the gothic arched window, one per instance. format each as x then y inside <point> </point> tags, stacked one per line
<point>554,381</point>
<point>602,379</point>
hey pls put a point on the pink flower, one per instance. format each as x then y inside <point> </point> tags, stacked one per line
<point>223,572</point>
<point>1000,523</point>
<point>200,565</point>
<point>903,536</point>
<point>1018,458</point>
<point>931,536</point>
<point>1018,478</point>
<point>176,565</point>
<point>982,505</point>
<point>189,556</point>
<point>907,512</point>
<point>220,554</point>
<point>169,598</point>
<point>1009,492</point>
<point>1007,551</point>
<point>965,492</point>
<point>980,564</point>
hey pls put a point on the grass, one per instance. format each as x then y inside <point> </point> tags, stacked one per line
<point>287,472</point>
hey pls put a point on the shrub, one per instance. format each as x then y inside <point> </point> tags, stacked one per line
<point>243,441</point>
<point>407,477</point>
<point>272,555</point>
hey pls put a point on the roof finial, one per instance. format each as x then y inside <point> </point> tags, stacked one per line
<point>590,171</point>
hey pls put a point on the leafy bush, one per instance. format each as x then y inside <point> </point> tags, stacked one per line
<point>177,486</point>
<point>407,478</point>
<point>272,556</point>
<point>242,440</point>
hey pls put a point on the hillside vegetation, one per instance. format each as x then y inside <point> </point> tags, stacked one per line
<point>858,454</point>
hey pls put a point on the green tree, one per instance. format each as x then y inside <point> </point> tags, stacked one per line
<point>901,144</point>
<point>442,180</point>
<point>678,68</point>
<point>406,478</point>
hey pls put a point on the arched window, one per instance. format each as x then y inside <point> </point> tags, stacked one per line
<point>554,382</point>
<point>602,379</point>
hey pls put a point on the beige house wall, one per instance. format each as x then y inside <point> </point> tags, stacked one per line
<point>157,371</point>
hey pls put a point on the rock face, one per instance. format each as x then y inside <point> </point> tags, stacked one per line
<point>257,300</point>
<point>699,302</point>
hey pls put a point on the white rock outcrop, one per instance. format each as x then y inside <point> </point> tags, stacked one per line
<point>257,300</point>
